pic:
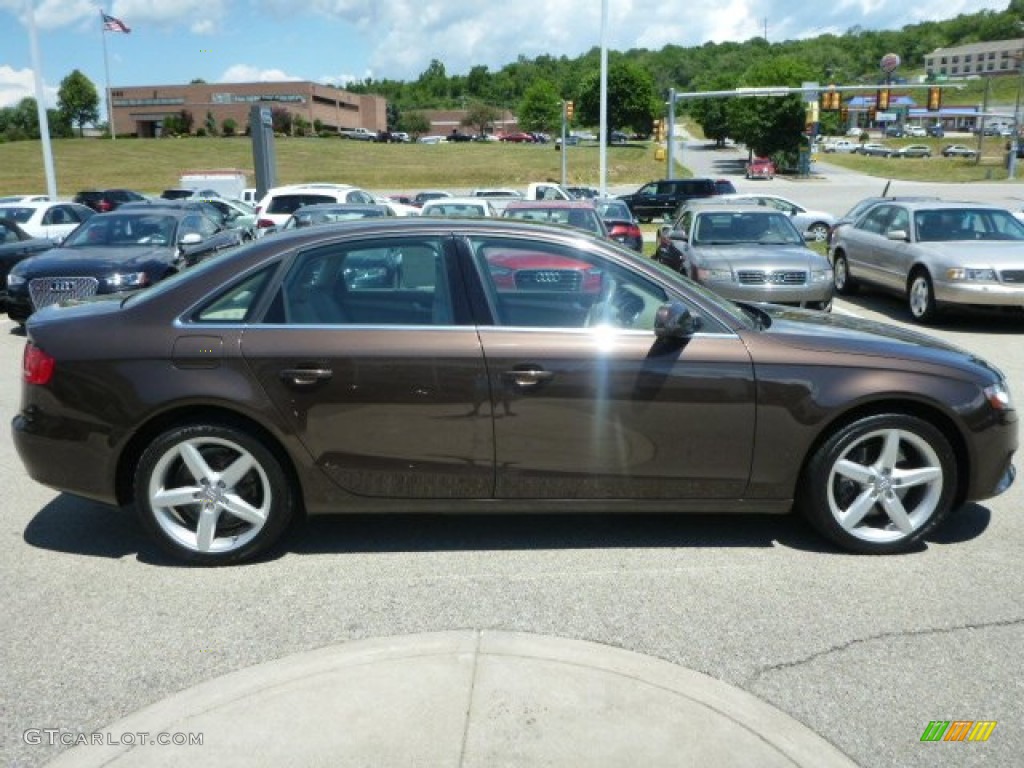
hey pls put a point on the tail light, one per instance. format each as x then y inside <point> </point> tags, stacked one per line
<point>264,223</point>
<point>36,365</point>
<point>103,206</point>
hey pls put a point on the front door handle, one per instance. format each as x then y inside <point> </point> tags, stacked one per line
<point>527,378</point>
<point>306,377</point>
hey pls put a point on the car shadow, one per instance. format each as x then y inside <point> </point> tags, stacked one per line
<point>78,526</point>
<point>994,320</point>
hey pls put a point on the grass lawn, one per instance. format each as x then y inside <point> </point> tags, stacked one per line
<point>150,165</point>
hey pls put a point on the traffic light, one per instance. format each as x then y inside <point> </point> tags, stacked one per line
<point>568,111</point>
<point>844,115</point>
<point>830,100</point>
<point>882,100</point>
<point>872,114</point>
<point>934,99</point>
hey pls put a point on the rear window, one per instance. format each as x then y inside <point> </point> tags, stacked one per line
<point>291,203</point>
<point>696,187</point>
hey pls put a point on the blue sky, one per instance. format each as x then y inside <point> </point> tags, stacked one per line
<point>174,41</point>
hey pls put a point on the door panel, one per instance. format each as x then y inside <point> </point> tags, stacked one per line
<point>581,414</point>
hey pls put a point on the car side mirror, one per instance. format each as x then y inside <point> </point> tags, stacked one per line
<point>190,238</point>
<point>897,234</point>
<point>674,321</point>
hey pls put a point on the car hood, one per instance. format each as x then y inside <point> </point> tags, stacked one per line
<point>982,253</point>
<point>759,256</point>
<point>32,244</point>
<point>831,334</point>
<point>90,261</point>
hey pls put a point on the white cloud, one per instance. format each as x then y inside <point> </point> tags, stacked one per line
<point>244,73</point>
<point>405,35</point>
<point>202,17</point>
<point>16,84</point>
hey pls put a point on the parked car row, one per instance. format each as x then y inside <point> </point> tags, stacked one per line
<point>108,255</point>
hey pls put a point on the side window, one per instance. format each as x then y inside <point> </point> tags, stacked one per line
<point>900,220</point>
<point>7,235</point>
<point>392,281</point>
<point>198,224</point>
<point>533,284</point>
<point>236,303</point>
<point>648,189</point>
<point>876,219</point>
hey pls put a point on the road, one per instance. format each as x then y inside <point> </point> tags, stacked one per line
<point>830,187</point>
<point>95,623</point>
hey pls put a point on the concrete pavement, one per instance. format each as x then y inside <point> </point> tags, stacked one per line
<point>460,698</point>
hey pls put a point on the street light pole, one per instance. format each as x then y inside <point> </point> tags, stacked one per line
<point>1011,171</point>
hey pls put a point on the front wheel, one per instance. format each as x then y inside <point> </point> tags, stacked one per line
<point>921,298</point>
<point>212,494</point>
<point>844,284</point>
<point>879,484</point>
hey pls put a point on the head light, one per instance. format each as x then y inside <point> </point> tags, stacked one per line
<point>998,396</point>
<point>962,273</point>
<point>121,280</point>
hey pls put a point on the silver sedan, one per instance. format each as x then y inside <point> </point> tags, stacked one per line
<point>934,253</point>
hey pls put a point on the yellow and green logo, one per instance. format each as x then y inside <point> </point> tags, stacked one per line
<point>958,730</point>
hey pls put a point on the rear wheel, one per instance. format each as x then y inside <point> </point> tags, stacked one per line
<point>879,484</point>
<point>820,231</point>
<point>212,494</point>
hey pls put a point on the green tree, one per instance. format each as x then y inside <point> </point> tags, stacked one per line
<point>414,123</point>
<point>541,108</point>
<point>78,101</point>
<point>632,101</point>
<point>229,127</point>
<point>210,124</point>
<point>481,117</point>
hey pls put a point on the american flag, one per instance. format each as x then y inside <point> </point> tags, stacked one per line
<point>110,24</point>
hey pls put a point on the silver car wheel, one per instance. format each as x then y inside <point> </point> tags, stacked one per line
<point>885,485</point>
<point>820,231</point>
<point>920,298</point>
<point>209,495</point>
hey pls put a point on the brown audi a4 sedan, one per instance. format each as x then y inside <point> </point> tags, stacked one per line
<point>443,365</point>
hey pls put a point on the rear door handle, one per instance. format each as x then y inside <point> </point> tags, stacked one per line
<point>306,377</point>
<point>528,378</point>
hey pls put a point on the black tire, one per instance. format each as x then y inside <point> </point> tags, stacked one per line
<point>262,491</point>
<point>880,484</point>
<point>921,297</point>
<point>844,284</point>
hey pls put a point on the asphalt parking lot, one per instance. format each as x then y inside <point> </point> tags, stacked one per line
<point>96,623</point>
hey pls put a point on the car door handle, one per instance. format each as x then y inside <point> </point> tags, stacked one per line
<point>306,377</point>
<point>527,378</point>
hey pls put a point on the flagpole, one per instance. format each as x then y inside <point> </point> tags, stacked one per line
<point>106,75</point>
<point>44,123</point>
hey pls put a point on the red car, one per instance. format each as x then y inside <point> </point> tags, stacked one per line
<point>518,137</point>
<point>761,168</point>
<point>516,270</point>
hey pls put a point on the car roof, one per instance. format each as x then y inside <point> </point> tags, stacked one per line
<point>516,205</point>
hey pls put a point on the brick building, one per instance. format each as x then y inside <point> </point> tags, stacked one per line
<point>140,110</point>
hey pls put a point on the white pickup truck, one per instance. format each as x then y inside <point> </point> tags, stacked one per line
<point>840,145</point>
<point>359,134</point>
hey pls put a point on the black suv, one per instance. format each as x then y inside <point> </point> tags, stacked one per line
<point>105,200</point>
<point>661,198</point>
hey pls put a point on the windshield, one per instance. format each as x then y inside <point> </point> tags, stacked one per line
<point>124,229</point>
<point>952,224</point>
<point>20,215</point>
<point>732,228</point>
